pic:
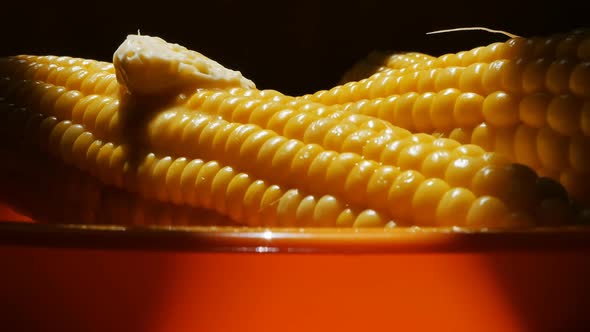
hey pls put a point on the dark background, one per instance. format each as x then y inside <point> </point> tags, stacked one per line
<point>293,46</point>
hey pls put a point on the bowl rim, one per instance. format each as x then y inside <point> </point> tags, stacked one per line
<point>244,239</point>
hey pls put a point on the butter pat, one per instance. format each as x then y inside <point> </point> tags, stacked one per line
<point>151,66</point>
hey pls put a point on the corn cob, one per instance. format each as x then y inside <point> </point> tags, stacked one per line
<point>249,155</point>
<point>517,65</point>
<point>529,102</point>
<point>520,76</point>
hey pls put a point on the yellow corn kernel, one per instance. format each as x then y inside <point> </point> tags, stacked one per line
<point>504,142</point>
<point>525,147</point>
<point>435,164</point>
<point>441,109</point>
<point>426,200</point>
<point>563,114</point>
<point>461,170</point>
<point>471,78</point>
<point>447,78</point>
<point>488,211</point>
<point>557,80</point>
<point>579,159</point>
<point>500,110</point>
<point>552,149</point>
<point>533,108</point>
<point>468,110</point>
<point>454,204</point>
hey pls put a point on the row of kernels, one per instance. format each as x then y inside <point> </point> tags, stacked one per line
<point>31,93</point>
<point>544,150</point>
<point>255,93</point>
<point>91,65</point>
<point>410,62</point>
<point>402,60</point>
<point>555,46</point>
<point>75,77</point>
<point>19,66</point>
<point>100,114</point>
<point>555,76</point>
<point>575,44</point>
<point>248,200</point>
<point>357,90</point>
<point>428,111</point>
<point>517,76</point>
<point>566,114</point>
<point>386,83</point>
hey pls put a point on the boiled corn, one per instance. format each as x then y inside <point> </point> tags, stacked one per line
<point>258,157</point>
<point>526,98</point>
<point>559,63</point>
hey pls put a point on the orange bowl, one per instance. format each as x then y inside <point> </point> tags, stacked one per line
<point>113,278</point>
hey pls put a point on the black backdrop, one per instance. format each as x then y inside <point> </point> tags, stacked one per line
<point>293,46</point>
